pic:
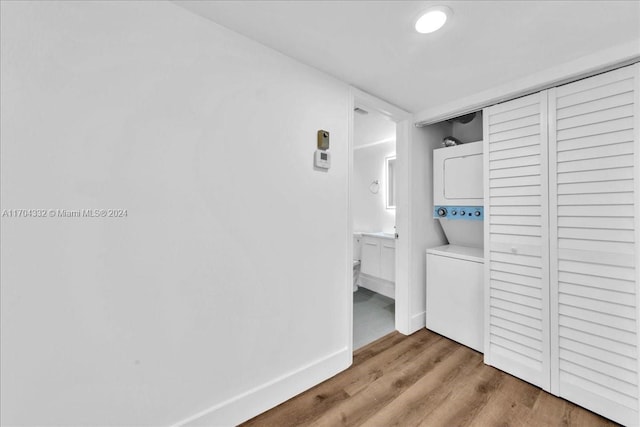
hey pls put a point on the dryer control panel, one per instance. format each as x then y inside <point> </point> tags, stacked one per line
<point>469,213</point>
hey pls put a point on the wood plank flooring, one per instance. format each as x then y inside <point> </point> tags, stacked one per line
<point>424,380</point>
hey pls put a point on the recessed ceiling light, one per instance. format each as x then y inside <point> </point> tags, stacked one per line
<point>433,19</point>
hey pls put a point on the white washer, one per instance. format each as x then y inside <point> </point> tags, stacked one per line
<point>455,293</point>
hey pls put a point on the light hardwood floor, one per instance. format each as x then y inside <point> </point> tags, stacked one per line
<point>424,380</point>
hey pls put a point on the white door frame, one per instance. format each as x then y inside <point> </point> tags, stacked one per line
<point>403,122</point>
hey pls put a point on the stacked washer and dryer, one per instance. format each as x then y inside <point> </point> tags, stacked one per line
<point>455,271</point>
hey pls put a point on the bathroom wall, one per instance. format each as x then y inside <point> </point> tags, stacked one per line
<point>374,140</point>
<point>369,208</point>
<point>198,304</point>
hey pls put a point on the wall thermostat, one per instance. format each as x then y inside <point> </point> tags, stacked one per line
<point>323,140</point>
<point>322,159</point>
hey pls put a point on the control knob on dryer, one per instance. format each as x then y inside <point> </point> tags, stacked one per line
<point>442,212</point>
<point>477,213</point>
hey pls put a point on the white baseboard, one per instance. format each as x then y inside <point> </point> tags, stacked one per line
<point>253,402</point>
<point>375,284</point>
<point>418,321</point>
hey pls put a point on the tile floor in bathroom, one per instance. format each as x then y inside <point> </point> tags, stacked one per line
<point>373,317</point>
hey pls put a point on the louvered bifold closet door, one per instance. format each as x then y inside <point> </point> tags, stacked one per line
<point>516,238</point>
<point>593,185</point>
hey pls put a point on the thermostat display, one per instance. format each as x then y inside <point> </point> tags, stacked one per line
<point>322,159</point>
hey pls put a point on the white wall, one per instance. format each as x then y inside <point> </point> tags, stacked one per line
<point>425,231</point>
<point>369,209</point>
<point>372,127</point>
<point>202,297</point>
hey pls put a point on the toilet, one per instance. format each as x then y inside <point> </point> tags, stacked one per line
<point>357,252</point>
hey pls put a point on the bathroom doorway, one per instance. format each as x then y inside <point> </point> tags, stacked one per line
<point>374,198</point>
<point>374,225</point>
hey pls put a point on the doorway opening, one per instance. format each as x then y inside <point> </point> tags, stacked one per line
<point>374,225</point>
<point>375,211</point>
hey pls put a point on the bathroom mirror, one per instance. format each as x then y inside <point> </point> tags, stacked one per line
<point>390,163</point>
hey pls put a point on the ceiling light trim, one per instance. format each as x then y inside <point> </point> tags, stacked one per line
<point>433,19</point>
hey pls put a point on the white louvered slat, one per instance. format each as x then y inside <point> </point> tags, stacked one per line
<point>517,337</point>
<point>593,186</point>
<point>612,200</point>
<point>596,210</point>
<point>512,153</point>
<point>520,230</point>
<point>597,257</point>
<point>519,123</point>
<point>516,318</point>
<point>515,278</point>
<point>516,327</point>
<point>620,310</point>
<point>515,172</point>
<point>515,162</point>
<point>601,331</point>
<point>601,234</point>
<point>597,245</point>
<point>610,369</point>
<point>609,162</point>
<point>516,201</point>
<point>514,111</point>
<point>610,150</point>
<point>516,240</point>
<point>597,317</point>
<point>615,186</point>
<point>619,223</point>
<point>515,134</point>
<point>520,211</point>
<point>625,98</point>
<point>596,128</point>
<point>516,252</point>
<point>513,295</point>
<point>533,354</point>
<point>602,175</point>
<point>596,140</point>
<point>526,190</point>
<point>516,269</point>
<point>591,94</point>
<point>515,143</point>
<point>599,294</point>
<point>596,117</point>
<point>514,105</point>
<point>521,289</point>
<point>605,400</point>
<point>531,180</point>
<point>516,220</point>
<point>597,281</point>
<point>597,377</point>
